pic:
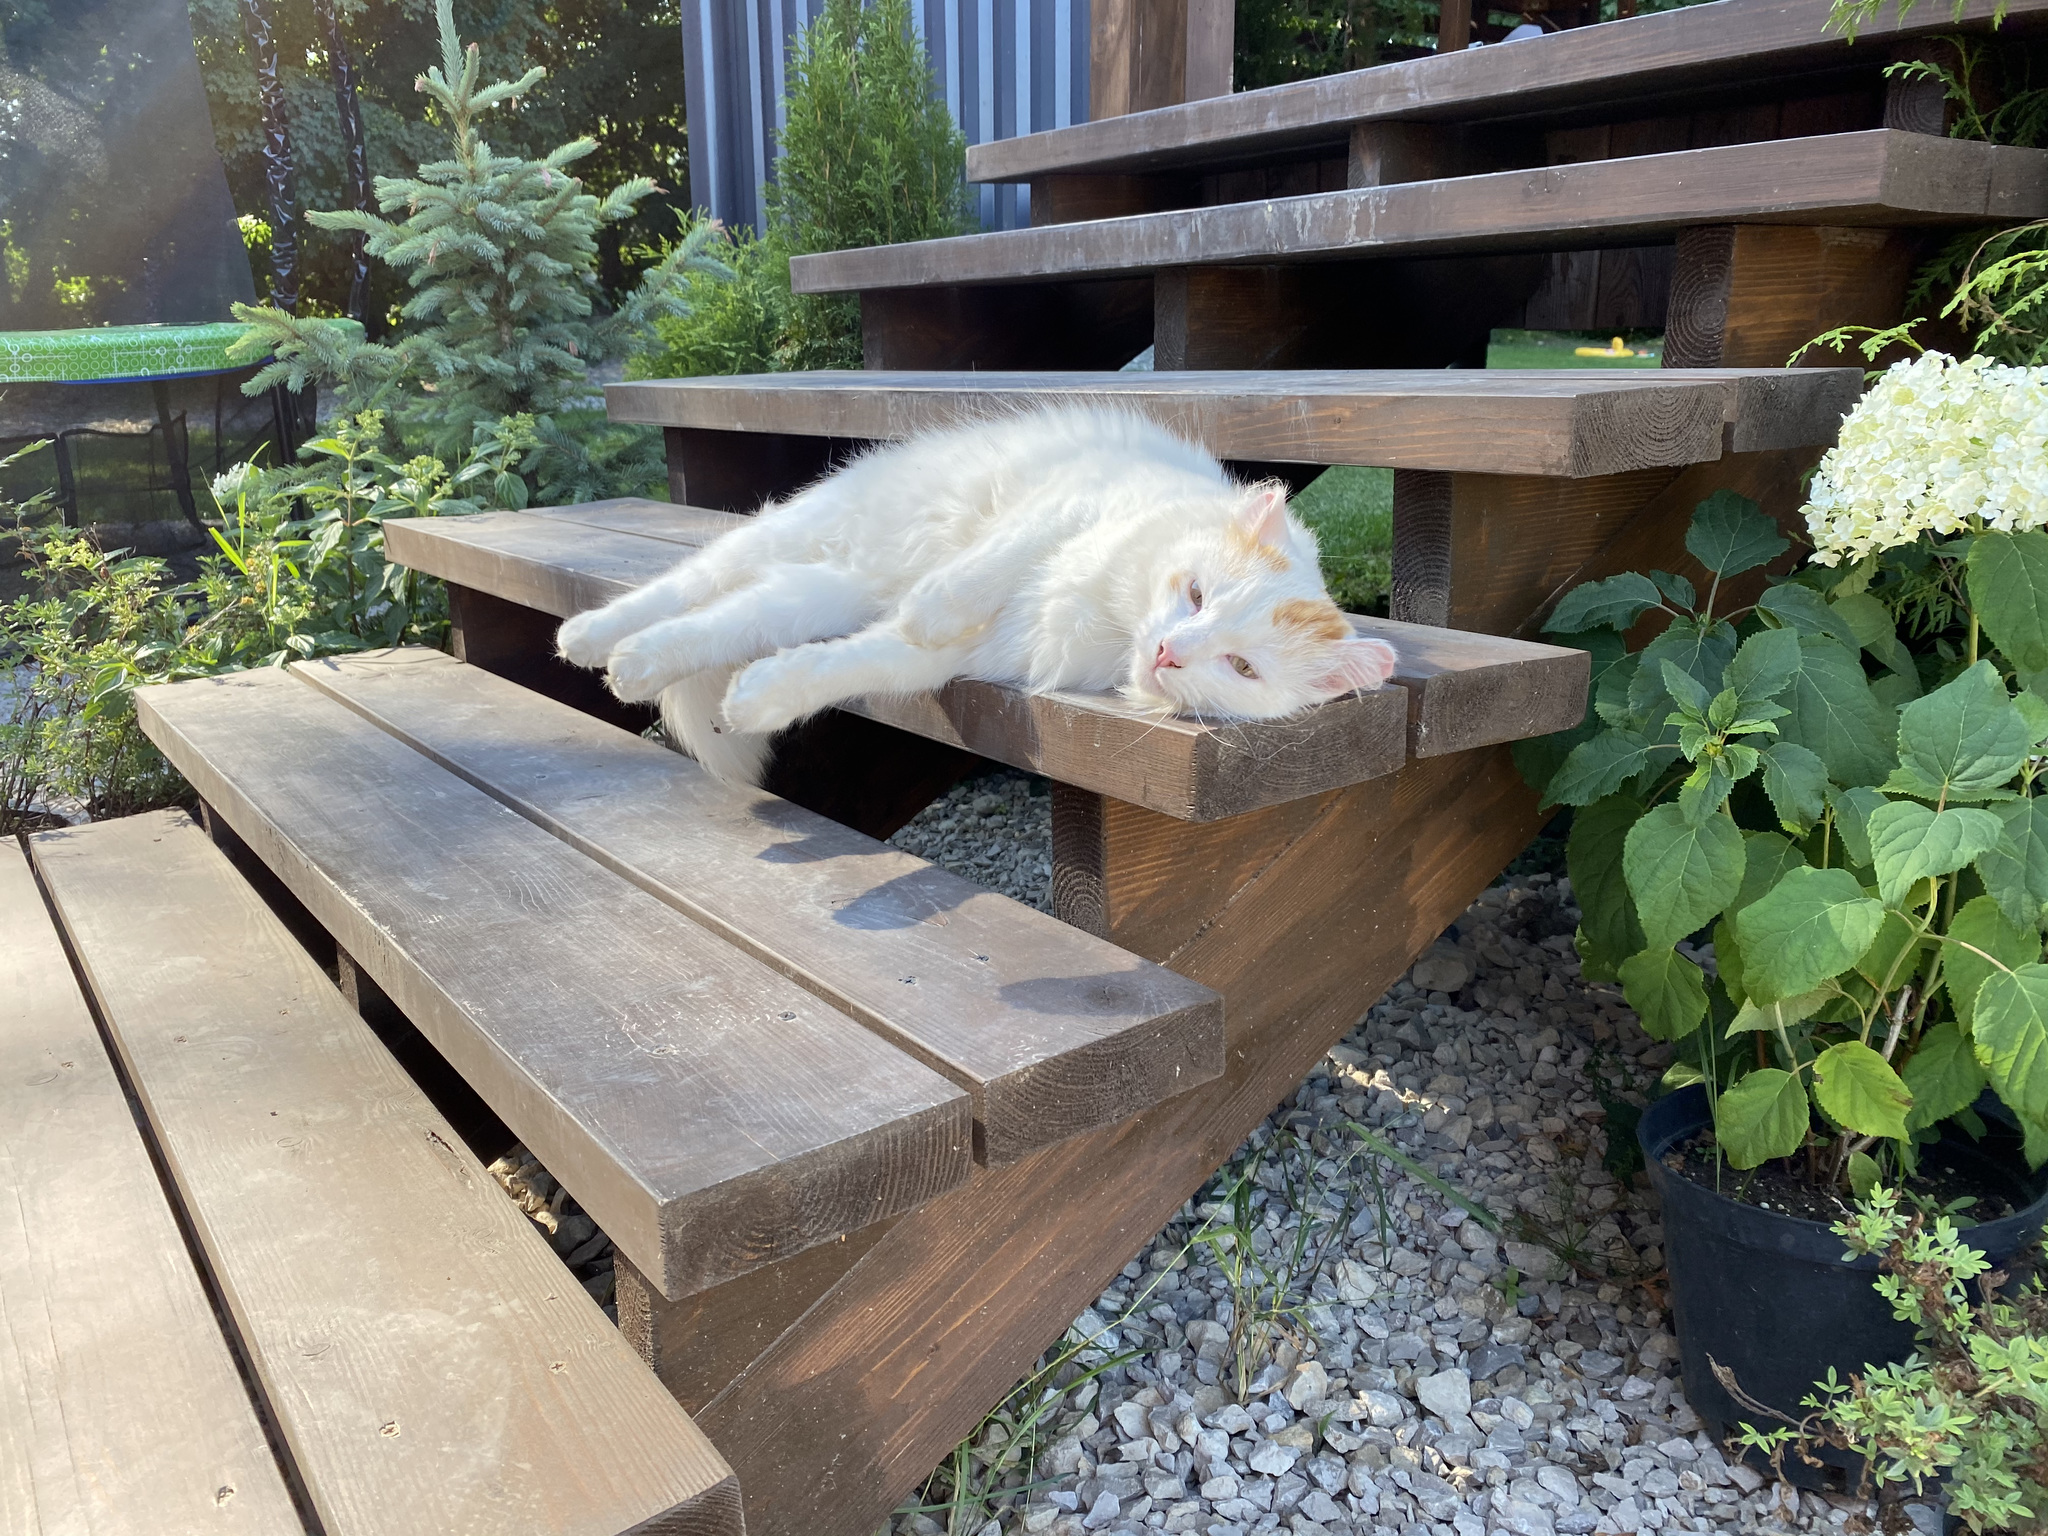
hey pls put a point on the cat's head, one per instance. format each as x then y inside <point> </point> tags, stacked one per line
<point>1242,625</point>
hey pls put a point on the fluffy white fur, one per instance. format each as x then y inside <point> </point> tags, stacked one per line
<point>1063,548</point>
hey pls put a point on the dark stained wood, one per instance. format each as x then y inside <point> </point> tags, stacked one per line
<point>1744,294</point>
<point>717,470</point>
<point>122,1412</point>
<point>1454,26</point>
<point>711,1116</point>
<point>1592,70</point>
<point>1050,1032</point>
<point>1233,317</point>
<point>1571,422</point>
<point>1179,767</point>
<point>518,643</point>
<point>1100,324</point>
<point>1625,288</point>
<point>431,1365</point>
<point>698,1344</point>
<point>1881,178</point>
<point>856,1401</point>
<point>1385,153</point>
<point>1144,54</point>
<point>1076,198</point>
<point>1920,105</point>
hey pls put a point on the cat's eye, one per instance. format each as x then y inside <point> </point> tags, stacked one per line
<point>1195,595</point>
<point>1244,668</point>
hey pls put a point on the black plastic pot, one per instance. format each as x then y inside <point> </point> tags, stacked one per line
<point>1770,1297</point>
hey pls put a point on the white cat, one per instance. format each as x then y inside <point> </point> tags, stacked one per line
<point>1059,548</point>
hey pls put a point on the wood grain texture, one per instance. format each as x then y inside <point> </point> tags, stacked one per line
<point>122,1412</point>
<point>853,1404</point>
<point>1590,69</point>
<point>1569,422</point>
<point>1051,1032</point>
<point>1880,179</point>
<point>1178,767</point>
<point>710,1114</point>
<point>1145,54</point>
<point>1746,296</point>
<point>432,1366</point>
<point>1099,324</point>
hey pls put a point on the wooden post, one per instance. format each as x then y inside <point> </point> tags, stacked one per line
<point>1750,295</point>
<point>1144,54</point>
<point>1454,26</point>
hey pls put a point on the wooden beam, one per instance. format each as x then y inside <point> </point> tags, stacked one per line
<point>1067,325</point>
<point>1749,296</point>
<point>1880,179</point>
<point>1454,26</point>
<point>122,1411</point>
<point>1145,54</point>
<point>651,1103</point>
<point>430,1364</point>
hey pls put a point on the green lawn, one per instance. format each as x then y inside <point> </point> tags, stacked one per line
<point>1352,510</point>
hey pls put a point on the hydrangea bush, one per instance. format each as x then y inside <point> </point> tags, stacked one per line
<point>1850,818</point>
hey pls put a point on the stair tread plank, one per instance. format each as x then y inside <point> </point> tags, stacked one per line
<point>1643,59</point>
<point>1881,177</point>
<point>1052,1030</point>
<point>710,1114</point>
<point>431,1364</point>
<point>1450,691</point>
<point>121,1409</point>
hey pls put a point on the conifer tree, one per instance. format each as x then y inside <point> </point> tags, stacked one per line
<point>500,252</point>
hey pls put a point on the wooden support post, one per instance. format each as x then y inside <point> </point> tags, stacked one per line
<point>1157,53</point>
<point>517,642</point>
<point>1454,26</point>
<point>1073,197</point>
<point>1102,324</point>
<point>738,471</point>
<point>1493,553</point>
<point>1750,295</point>
<point>1235,317</point>
<point>1919,104</point>
<point>1385,153</point>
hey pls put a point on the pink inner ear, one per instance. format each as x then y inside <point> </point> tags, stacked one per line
<point>1360,664</point>
<point>1264,515</point>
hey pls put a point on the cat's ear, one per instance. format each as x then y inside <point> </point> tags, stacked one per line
<point>1263,515</point>
<point>1359,663</point>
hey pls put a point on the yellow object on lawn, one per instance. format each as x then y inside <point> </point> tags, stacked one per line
<point>1617,350</point>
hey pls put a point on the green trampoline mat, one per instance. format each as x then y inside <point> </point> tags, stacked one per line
<point>114,354</point>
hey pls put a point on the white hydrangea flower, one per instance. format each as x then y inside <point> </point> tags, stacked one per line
<point>1935,444</point>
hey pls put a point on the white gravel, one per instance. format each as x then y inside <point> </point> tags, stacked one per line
<point>1426,1376</point>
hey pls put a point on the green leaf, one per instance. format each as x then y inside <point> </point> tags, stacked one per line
<point>1885,961</point>
<point>1982,926</point>
<point>1834,716</point>
<point>1765,858</point>
<point>1762,1117</point>
<point>1803,610</point>
<point>1599,767</point>
<point>1728,961</point>
<point>1864,1174</point>
<point>1608,928</point>
<point>1615,603</point>
<point>2011,1035</point>
<point>1781,1014</point>
<point>1964,741</point>
<point>1910,841</point>
<point>2034,709</point>
<point>2016,870</point>
<point>1858,1087</point>
<point>1853,808</point>
<point>1676,589</point>
<point>1942,1075</point>
<point>1680,875</point>
<point>1763,665</point>
<point>1667,992</point>
<point>1813,924</point>
<point>1796,781</point>
<point>1610,691</point>
<point>1875,631</point>
<point>1702,655</point>
<point>2008,576</point>
<point>1730,534</point>
<point>1686,690</point>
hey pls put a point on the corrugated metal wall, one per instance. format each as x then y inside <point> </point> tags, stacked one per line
<point>1006,67</point>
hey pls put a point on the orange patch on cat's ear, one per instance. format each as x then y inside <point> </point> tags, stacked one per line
<point>1319,620</point>
<point>1247,547</point>
<point>1261,523</point>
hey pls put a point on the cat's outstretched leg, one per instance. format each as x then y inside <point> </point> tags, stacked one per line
<point>782,689</point>
<point>589,638</point>
<point>790,604</point>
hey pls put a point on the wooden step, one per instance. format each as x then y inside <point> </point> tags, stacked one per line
<point>708,1112</point>
<point>1451,691</point>
<point>1569,422</point>
<point>122,1412</point>
<point>1882,178</point>
<point>1051,1031</point>
<point>431,1364</point>
<point>1645,60</point>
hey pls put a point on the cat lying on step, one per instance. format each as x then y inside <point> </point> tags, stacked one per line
<point>1060,548</point>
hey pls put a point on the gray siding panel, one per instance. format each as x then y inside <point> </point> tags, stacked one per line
<point>1005,67</point>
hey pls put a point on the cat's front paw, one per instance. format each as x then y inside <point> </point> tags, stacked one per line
<point>759,702</point>
<point>585,639</point>
<point>639,670</point>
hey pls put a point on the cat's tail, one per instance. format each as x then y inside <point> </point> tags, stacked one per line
<point>690,711</point>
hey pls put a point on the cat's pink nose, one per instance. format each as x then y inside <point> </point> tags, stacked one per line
<point>1165,658</point>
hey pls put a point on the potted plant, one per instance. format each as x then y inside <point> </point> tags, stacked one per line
<point>1834,784</point>
<point>1968,1406</point>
